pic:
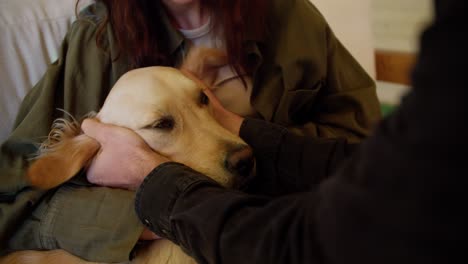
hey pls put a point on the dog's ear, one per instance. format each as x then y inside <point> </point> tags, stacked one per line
<point>204,63</point>
<point>62,155</point>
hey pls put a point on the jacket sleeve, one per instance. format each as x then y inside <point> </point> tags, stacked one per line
<point>326,93</point>
<point>78,82</point>
<point>69,85</point>
<point>37,111</point>
<point>399,199</point>
<point>215,225</point>
<point>288,163</point>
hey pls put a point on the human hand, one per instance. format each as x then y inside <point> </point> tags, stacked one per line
<point>124,159</point>
<point>226,118</point>
<point>148,235</point>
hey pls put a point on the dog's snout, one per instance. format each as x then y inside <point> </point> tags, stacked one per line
<point>240,161</point>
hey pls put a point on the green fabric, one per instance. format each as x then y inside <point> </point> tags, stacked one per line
<point>304,79</point>
<point>387,109</point>
<point>309,80</point>
<point>67,220</point>
<point>77,82</point>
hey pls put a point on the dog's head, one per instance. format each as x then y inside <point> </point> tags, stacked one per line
<point>168,109</point>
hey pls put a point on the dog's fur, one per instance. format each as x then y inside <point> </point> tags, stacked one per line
<point>141,100</point>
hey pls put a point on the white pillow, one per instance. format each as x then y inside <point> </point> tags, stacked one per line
<point>31,33</point>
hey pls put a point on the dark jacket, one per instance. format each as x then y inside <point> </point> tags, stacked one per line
<point>399,198</point>
<point>303,79</point>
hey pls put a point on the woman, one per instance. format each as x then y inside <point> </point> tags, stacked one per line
<point>305,80</point>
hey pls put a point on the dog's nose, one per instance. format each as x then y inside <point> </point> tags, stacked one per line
<point>240,162</point>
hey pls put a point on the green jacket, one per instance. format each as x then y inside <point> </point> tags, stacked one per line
<point>304,78</point>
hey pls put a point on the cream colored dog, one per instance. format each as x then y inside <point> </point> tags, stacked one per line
<point>167,108</point>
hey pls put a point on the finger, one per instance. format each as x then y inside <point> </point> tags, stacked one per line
<point>95,129</point>
<point>208,92</point>
<point>212,98</point>
<point>148,235</point>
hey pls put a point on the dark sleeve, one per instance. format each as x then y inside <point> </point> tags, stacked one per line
<point>399,199</point>
<point>287,162</point>
<point>216,225</point>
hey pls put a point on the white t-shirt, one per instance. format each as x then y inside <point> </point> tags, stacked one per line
<point>228,86</point>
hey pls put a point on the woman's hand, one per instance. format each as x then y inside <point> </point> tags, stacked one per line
<point>124,159</point>
<point>226,118</point>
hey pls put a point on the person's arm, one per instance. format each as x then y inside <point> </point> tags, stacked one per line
<point>288,163</point>
<point>397,200</point>
<point>217,225</point>
<point>32,125</point>
<point>309,81</point>
<point>77,82</point>
<point>284,160</point>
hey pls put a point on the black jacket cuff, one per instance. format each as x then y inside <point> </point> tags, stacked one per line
<point>262,136</point>
<point>156,196</point>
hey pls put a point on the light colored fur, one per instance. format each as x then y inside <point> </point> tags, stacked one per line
<point>137,101</point>
<point>67,149</point>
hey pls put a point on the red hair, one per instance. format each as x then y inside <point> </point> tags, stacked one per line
<point>140,34</point>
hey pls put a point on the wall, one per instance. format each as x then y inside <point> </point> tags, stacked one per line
<point>384,25</point>
<point>396,24</point>
<point>396,29</point>
<point>350,21</point>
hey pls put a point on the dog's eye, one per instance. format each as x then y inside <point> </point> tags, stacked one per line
<point>166,123</point>
<point>204,99</point>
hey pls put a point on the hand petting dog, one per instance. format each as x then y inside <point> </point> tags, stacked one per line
<point>125,158</point>
<point>226,118</point>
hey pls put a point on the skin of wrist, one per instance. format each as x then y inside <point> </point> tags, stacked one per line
<point>146,164</point>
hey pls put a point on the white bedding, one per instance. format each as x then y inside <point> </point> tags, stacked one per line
<point>30,35</point>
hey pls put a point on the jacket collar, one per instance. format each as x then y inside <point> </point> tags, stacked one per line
<point>174,37</point>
